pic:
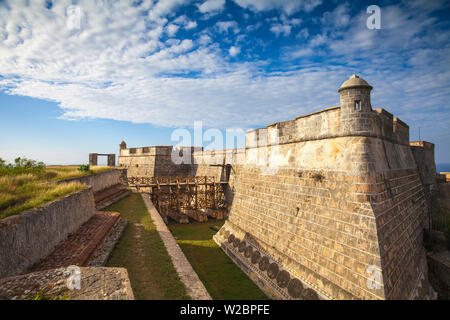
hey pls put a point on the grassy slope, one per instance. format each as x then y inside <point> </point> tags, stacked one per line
<point>221,277</point>
<point>56,173</point>
<point>142,252</point>
<point>26,191</point>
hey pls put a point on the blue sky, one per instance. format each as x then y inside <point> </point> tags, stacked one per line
<point>81,76</point>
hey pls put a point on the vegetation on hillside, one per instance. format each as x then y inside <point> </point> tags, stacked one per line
<point>27,184</point>
<point>21,166</point>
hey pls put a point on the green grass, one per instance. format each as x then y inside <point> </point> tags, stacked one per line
<point>55,173</point>
<point>141,251</point>
<point>24,189</point>
<point>221,277</point>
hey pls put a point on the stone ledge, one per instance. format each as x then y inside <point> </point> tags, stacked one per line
<point>96,284</point>
<point>194,287</point>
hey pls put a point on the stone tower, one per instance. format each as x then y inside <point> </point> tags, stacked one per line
<point>355,95</point>
<point>355,105</point>
<point>342,215</point>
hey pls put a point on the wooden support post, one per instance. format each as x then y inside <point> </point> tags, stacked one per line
<point>213,195</point>
<point>178,196</point>
<point>196,196</point>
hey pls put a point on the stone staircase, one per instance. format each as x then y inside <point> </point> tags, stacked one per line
<point>106,197</point>
<point>78,248</point>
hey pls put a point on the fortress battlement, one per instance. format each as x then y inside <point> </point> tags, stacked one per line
<point>354,117</point>
<point>330,205</point>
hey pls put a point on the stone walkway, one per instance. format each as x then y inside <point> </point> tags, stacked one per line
<point>194,287</point>
<point>79,247</point>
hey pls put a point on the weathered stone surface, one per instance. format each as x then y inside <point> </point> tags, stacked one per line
<point>444,195</point>
<point>439,269</point>
<point>111,158</point>
<point>96,284</point>
<point>99,181</point>
<point>102,252</point>
<point>334,197</point>
<point>155,161</point>
<point>341,201</point>
<point>283,279</point>
<point>30,236</point>
<point>78,248</point>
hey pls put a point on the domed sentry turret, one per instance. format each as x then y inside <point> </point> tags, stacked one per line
<point>355,95</point>
<point>123,145</point>
<point>356,111</point>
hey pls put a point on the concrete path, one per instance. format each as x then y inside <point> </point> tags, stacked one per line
<point>194,287</point>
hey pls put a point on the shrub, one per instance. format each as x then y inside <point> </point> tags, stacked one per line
<point>85,168</point>
<point>21,166</point>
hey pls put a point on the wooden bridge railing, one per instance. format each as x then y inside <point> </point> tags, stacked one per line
<point>181,197</point>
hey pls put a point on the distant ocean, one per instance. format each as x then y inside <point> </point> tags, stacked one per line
<point>442,167</point>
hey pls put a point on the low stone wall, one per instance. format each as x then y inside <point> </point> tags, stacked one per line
<point>99,181</point>
<point>30,236</point>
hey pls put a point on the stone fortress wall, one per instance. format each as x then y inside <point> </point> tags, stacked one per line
<point>330,205</point>
<point>152,161</point>
<point>98,181</point>
<point>28,237</point>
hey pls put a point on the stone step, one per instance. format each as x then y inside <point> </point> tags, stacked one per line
<point>106,197</point>
<point>78,247</point>
<point>100,196</point>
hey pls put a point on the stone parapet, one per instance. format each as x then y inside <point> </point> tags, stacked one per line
<point>28,237</point>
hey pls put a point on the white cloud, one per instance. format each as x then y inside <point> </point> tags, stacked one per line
<point>281,29</point>
<point>253,27</point>
<point>172,29</point>
<point>287,6</point>
<point>185,22</point>
<point>338,18</point>
<point>185,45</point>
<point>117,67</point>
<point>303,52</point>
<point>210,6</point>
<point>162,7</point>
<point>303,34</point>
<point>191,25</point>
<point>284,25</point>
<point>234,51</point>
<point>225,26</point>
<point>204,40</point>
